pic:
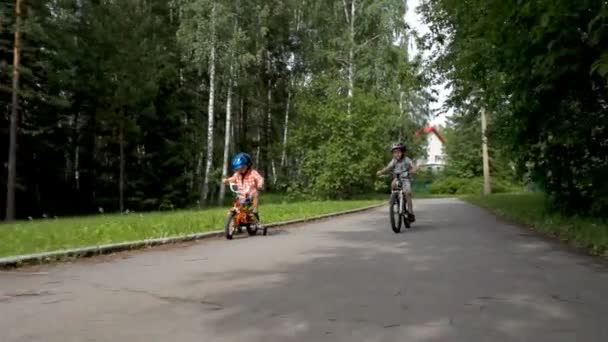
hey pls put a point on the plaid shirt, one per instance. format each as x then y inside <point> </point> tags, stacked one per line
<point>252,181</point>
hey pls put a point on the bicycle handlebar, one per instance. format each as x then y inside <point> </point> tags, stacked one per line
<point>234,188</point>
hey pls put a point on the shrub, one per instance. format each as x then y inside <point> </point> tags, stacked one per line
<point>469,186</point>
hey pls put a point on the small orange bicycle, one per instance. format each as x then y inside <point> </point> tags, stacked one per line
<point>240,215</point>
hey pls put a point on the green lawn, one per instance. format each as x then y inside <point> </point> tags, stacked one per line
<point>55,234</point>
<point>530,209</point>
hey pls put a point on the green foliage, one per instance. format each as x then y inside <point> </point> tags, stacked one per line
<point>532,209</point>
<point>101,77</point>
<point>538,67</point>
<point>342,154</point>
<point>463,186</point>
<point>463,150</point>
<point>423,180</point>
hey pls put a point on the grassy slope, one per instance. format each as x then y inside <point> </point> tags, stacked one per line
<point>55,234</point>
<point>530,209</point>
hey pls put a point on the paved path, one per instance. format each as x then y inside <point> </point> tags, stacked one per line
<point>459,275</point>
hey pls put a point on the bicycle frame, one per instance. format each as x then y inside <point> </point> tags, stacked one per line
<point>402,201</point>
<point>243,215</point>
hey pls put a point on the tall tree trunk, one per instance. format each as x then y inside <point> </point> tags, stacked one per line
<point>227,135</point>
<point>285,130</point>
<point>242,127</point>
<point>92,179</point>
<point>257,151</point>
<point>351,57</point>
<point>229,130</point>
<point>233,133</point>
<point>210,113</point>
<point>269,116</point>
<point>77,166</point>
<point>270,159</point>
<point>121,181</point>
<point>401,114</point>
<point>274,172</point>
<point>487,189</point>
<point>12,147</point>
<point>239,125</point>
<point>76,140</point>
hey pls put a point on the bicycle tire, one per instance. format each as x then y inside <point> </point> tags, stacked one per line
<point>394,213</point>
<point>229,228</point>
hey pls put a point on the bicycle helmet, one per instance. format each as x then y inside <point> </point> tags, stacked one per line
<point>398,146</point>
<point>240,161</point>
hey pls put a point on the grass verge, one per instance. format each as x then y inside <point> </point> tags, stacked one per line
<point>530,209</point>
<point>55,234</point>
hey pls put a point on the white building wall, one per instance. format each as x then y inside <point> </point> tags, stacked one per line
<point>435,150</point>
<point>435,154</point>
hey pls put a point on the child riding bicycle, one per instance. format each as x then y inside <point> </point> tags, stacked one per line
<point>401,166</point>
<point>247,179</point>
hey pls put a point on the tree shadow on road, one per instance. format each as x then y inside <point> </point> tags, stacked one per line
<point>362,285</point>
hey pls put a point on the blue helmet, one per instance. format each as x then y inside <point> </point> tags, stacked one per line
<point>240,161</point>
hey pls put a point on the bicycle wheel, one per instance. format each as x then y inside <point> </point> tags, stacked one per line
<point>394,213</point>
<point>252,229</point>
<point>229,226</point>
<point>406,221</point>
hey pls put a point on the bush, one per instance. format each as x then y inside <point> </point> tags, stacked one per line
<point>340,157</point>
<point>455,185</point>
<point>470,186</point>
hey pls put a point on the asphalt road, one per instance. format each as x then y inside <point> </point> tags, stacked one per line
<point>459,275</point>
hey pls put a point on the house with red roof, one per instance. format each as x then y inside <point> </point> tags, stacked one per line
<point>435,155</point>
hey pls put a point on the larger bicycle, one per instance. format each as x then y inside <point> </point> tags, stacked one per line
<point>399,213</point>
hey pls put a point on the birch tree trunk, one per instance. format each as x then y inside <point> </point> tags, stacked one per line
<point>241,126</point>
<point>285,131</point>
<point>76,144</point>
<point>487,188</point>
<point>12,148</point>
<point>269,133</point>
<point>257,151</point>
<point>210,113</point>
<point>227,136</point>
<point>351,57</point>
<point>229,130</point>
<point>401,113</point>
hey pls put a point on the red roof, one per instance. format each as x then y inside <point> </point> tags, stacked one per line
<point>432,129</point>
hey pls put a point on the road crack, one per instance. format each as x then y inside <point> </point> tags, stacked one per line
<point>209,305</point>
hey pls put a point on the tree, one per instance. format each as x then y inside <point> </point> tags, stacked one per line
<point>12,150</point>
<point>116,99</point>
<point>350,15</point>
<point>231,80</point>
<point>537,65</point>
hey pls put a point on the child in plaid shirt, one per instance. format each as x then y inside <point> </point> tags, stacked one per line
<point>248,180</point>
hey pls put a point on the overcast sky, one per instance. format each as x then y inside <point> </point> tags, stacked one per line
<point>415,21</point>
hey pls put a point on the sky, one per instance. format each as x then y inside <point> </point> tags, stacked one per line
<point>415,22</point>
